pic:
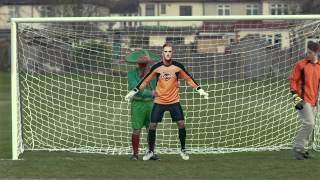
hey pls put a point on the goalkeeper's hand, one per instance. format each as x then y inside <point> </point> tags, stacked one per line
<point>203,93</point>
<point>297,102</point>
<point>130,95</point>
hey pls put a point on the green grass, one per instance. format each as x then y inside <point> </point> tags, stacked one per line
<point>88,111</point>
<point>243,166</point>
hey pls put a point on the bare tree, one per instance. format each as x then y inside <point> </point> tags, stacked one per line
<point>76,8</point>
<point>310,6</point>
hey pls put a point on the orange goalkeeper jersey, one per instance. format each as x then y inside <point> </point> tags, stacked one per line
<point>304,80</point>
<point>167,81</point>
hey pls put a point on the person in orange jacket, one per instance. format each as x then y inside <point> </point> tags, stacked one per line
<point>304,86</point>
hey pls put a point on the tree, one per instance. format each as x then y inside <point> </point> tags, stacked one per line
<point>76,8</point>
<point>310,6</point>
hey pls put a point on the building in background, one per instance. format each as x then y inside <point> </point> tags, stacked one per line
<point>225,33</point>
<point>172,8</point>
<point>51,8</point>
<point>153,34</point>
<point>126,9</point>
<point>45,8</point>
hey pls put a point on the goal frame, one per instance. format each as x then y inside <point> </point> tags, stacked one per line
<point>15,94</point>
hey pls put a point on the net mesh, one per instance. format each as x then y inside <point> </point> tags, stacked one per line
<point>73,79</point>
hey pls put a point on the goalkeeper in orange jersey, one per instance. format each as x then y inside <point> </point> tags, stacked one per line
<point>142,102</point>
<point>167,73</point>
<point>304,85</point>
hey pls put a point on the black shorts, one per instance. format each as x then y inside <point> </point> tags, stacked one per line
<point>159,109</point>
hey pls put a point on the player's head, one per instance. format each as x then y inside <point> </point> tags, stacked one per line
<point>167,51</point>
<point>144,61</point>
<point>143,65</point>
<point>313,50</point>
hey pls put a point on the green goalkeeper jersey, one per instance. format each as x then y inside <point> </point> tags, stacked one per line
<point>143,94</point>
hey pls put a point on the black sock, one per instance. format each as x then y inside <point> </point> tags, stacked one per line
<point>151,139</point>
<point>182,137</point>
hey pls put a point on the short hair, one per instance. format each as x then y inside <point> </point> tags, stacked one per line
<point>167,44</point>
<point>313,46</point>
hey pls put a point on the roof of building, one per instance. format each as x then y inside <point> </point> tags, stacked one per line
<point>232,26</point>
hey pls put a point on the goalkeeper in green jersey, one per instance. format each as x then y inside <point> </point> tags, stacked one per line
<point>142,102</point>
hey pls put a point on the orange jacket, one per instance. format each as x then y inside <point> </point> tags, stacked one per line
<point>304,80</point>
<point>167,81</point>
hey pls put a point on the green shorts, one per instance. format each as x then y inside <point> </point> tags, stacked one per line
<point>140,113</point>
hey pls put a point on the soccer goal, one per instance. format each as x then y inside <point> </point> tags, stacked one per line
<point>69,77</point>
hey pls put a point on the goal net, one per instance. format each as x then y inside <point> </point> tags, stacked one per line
<point>70,79</point>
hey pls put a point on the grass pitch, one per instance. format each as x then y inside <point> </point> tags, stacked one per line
<point>62,165</point>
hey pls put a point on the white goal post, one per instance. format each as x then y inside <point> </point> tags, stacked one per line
<point>69,74</point>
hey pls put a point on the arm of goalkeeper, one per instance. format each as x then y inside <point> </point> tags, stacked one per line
<point>297,101</point>
<point>203,93</point>
<point>130,95</point>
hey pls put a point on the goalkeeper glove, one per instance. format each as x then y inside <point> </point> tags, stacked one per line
<point>297,102</point>
<point>129,96</point>
<point>203,93</point>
